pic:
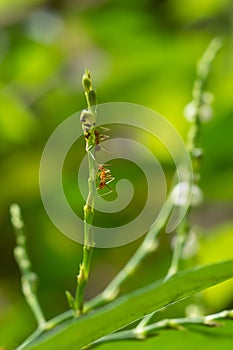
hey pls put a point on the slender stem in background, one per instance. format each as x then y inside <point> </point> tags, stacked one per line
<point>200,100</point>
<point>200,111</point>
<point>88,120</point>
<point>140,333</point>
<point>180,239</point>
<point>29,279</point>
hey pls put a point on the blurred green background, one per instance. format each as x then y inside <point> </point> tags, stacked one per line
<point>143,52</point>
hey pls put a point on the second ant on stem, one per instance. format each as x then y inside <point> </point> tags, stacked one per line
<point>98,138</point>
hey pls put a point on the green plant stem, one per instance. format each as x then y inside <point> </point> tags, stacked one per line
<point>181,237</point>
<point>88,237</point>
<point>148,246</point>
<point>88,121</point>
<point>203,70</point>
<point>142,332</point>
<point>29,279</point>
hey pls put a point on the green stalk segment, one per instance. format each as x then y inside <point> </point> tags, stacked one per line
<point>29,279</point>
<point>88,120</point>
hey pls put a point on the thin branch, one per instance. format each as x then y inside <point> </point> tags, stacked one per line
<point>29,279</point>
<point>143,332</point>
<point>180,240</point>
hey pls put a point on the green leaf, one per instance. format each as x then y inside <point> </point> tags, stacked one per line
<point>78,332</point>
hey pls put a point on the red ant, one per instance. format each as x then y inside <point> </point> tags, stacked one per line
<point>98,138</point>
<point>104,177</point>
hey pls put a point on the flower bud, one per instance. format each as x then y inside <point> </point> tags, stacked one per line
<point>182,192</point>
<point>86,81</point>
<point>87,117</point>
<point>205,113</point>
<point>197,153</point>
<point>207,97</point>
<point>190,112</point>
<point>16,218</point>
<point>191,246</point>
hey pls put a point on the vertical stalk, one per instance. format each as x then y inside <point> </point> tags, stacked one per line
<point>181,237</point>
<point>29,279</point>
<point>88,120</point>
<point>199,106</point>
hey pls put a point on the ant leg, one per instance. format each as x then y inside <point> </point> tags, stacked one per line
<point>89,148</point>
<point>105,194</point>
<point>104,129</point>
<point>99,148</point>
<point>110,180</point>
<point>110,189</point>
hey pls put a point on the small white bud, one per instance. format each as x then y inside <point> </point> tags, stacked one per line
<point>207,97</point>
<point>190,111</point>
<point>197,196</point>
<point>191,246</point>
<point>182,194</point>
<point>205,113</point>
<point>16,218</point>
<point>19,253</point>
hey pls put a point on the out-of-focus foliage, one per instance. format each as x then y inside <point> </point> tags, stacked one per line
<point>218,243</point>
<point>143,52</point>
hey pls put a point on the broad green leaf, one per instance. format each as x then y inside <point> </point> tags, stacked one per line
<point>76,333</point>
